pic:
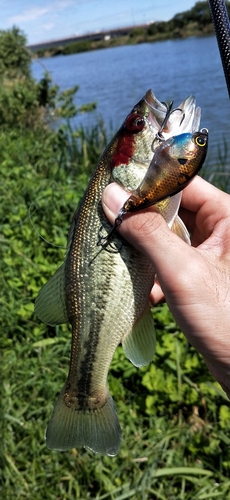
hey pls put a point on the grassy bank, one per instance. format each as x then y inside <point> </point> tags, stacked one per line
<point>174,417</point>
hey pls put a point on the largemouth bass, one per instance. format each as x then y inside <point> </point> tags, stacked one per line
<point>103,289</point>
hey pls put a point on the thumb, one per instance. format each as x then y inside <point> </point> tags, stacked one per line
<point>147,230</point>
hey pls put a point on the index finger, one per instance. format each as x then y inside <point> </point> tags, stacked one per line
<point>198,192</point>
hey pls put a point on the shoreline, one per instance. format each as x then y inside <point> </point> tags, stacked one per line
<point>91,45</point>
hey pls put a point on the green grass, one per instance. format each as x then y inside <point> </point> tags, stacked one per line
<point>177,452</point>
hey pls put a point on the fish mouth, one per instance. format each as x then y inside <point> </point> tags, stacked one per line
<point>181,119</point>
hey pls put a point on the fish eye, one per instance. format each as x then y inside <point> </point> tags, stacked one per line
<point>134,123</point>
<point>200,141</point>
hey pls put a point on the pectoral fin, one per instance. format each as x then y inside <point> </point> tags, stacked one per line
<point>139,344</point>
<point>50,302</point>
<point>180,229</point>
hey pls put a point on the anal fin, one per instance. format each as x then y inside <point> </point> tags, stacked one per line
<point>139,343</point>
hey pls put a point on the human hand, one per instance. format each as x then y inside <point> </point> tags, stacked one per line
<point>195,281</point>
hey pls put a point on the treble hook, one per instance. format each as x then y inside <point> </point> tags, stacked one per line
<point>159,135</point>
<point>103,240</point>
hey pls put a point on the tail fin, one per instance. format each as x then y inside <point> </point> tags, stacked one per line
<point>98,430</point>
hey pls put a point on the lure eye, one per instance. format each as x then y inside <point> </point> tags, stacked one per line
<point>200,141</point>
<point>134,123</point>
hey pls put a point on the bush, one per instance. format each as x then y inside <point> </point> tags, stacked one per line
<point>14,57</point>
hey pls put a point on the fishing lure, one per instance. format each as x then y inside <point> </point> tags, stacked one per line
<point>174,164</point>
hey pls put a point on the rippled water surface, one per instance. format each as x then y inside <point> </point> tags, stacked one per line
<point>118,77</point>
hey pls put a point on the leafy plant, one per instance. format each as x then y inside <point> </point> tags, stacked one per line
<point>14,57</point>
<point>23,101</point>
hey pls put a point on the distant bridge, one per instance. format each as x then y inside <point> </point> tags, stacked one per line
<point>96,35</point>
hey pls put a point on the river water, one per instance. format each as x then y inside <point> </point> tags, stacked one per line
<point>118,77</point>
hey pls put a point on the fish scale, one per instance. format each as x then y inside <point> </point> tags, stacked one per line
<point>103,287</point>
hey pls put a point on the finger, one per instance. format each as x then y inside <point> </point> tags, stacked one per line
<point>200,193</point>
<point>205,212</point>
<point>149,233</point>
<point>197,193</point>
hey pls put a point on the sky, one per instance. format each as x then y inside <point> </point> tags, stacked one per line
<point>43,20</point>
